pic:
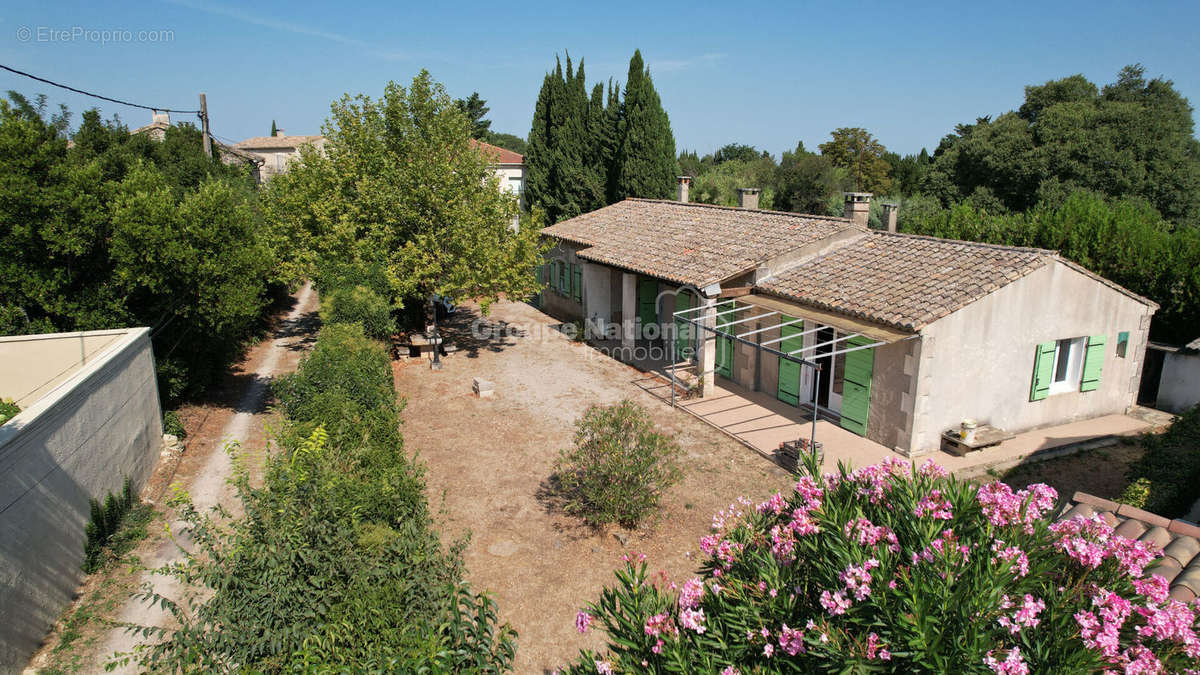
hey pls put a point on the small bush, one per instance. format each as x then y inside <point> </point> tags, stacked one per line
<point>897,569</point>
<point>104,523</point>
<point>361,305</point>
<point>8,409</point>
<point>1137,493</point>
<point>173,425</point>
<point>1171,466</point>
<point>619,467</point>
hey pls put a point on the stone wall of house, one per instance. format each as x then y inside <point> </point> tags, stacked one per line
<point>77,441</point>
<point>978,362</point>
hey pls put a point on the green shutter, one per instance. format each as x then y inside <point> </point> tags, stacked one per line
<point>577,277</point>
<point>1043,371</point>
<point>856,385</point>
<point>788,388</point>
<point>724,360</point>
<point>683,329</point>
<point>564,279</point>
<point>647,297</point>
<point>1093,363</point>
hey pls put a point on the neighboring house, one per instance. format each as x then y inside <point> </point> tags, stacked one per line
<point>279,151</point>
<point>89,419</point>
<point>157,131</point>
<point>1171,380</point>
<point>895,337</point>
<point>508,166</point>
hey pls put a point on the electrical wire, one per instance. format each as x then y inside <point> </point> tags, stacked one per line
<point>88,93</point>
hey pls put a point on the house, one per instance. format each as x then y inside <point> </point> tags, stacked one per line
<point>1171,377</point>
<point>89,420</point>
<point>279,151</point>
<point>895,337</point>
<point>157,131</point>
<point>508,166</point>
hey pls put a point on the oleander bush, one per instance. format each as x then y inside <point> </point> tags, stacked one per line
<point>889,568</point>
<point>619,466</point>
<point>334,565</point>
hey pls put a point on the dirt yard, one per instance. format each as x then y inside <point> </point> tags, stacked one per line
<point>488,459</point>
<point>1100,472</point>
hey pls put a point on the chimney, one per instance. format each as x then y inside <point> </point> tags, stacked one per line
<point>685,188</point>
<point>279,132</point>
<point>858,207</point>
<point>889,215</point>
<point>164,117</point>
<point>748,198</point>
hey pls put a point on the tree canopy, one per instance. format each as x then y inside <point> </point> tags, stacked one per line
<point>856,150</point>
<point>1132,138</point>
<point>476,110</point>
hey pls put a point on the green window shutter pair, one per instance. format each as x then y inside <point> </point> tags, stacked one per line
<point>1093,363</point>
<point>577,280</point>
<point>856,385</point>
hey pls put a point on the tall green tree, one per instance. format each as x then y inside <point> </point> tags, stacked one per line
<point>646,157</point>
<point>856,150</point>
<point>274,129</point>
<point>805,181</point>
<point>1131,138</point>
<point>476,110</point>
<point>399,186</point>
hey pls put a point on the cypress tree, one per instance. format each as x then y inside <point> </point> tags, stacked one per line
<point>538,155</point>
<point>647,150</point>
<point>274,129</point>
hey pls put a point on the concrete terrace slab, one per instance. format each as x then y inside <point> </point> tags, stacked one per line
<point>762,423</point>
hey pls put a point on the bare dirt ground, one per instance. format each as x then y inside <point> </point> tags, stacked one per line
<point>1100,472</point>
<point>237,409</point>
<point>488,461</point>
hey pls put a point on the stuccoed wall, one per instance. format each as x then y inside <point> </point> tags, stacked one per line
<point>1179,387</point>
<point>79,441</point>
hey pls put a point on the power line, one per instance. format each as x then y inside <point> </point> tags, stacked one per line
<point>88,93</point>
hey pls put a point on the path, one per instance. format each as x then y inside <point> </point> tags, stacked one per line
<point>207,481</point>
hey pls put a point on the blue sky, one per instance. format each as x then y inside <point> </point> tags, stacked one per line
<point>766,74</point>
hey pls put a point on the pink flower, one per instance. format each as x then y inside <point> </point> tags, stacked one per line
<point>604,667</point>
<point>857,578</point>
<point>1012,665</point>
<point>810,492</point>
<point>783,544</point>
<point>692,619</point>
<point>1024,617</point>
<point>866,533</point>
<point>691,593</point>
<point>791,640</point>
<point>730,670</point>
<point>660,624</point>
<point>633,556</point>
<point>934,505</point>
<point>773,505</point>
<point>658,646</point>
<point>932,469</point>
<point>768,650</point>
<point>835,603</point>
<point>583,621</point>
<point>1154,588</point>
<point>1004,507</point>
<point>1012,554</point>
<point>875,650</point>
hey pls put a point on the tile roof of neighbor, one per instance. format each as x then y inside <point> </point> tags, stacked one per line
<point>498,154</point>
<point>277,142</point>
<point>1178,539</point>
<point>908,281</point>
<point>690,243</point>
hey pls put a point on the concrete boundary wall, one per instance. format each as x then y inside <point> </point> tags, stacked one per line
<point>80,440</point>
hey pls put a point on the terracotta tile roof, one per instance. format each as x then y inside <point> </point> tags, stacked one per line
<point>690,243</point>
<point>901,280</point>
<point>498,154</point>
<point>278,142</point>
<point>1178,539</point>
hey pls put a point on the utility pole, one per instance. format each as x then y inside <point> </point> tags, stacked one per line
<point>204,125</point>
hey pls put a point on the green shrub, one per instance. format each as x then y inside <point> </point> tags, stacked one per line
<point>335,565</point>
<point>1137,493</point>
<point>8,409</point>
<point>173,425</point>
<point>1171,466</point>
<point>104,523</point>
<point>897,569</point>
<point>361,305</point>
<point>619,466</point>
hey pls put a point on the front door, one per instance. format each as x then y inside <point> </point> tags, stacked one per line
<point>821,354</point>
<point>788,390</point>
<point>647,300</point>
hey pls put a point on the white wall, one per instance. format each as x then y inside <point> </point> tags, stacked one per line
<point>1179,386</point>
<point>978,361</point>
<point>78,441</point>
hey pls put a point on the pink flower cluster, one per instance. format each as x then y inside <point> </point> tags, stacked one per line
<point>810,493</point>
<point>1013,664</point>
<point>1004,507</point>
<point>692,619</point>
<point>934,505</point>
<point>867,533</point>
<point>1012,554</point>
<point>791,640</point>
<point>583,621</point>
<point>1090,541</point>
<point>1025,615</point>
<point>775,504</point>
<point>783,544</point>
<point>932,469</point>
<point>943,548</point>
<point>876,649</point>
<point>1171,622</point>
<point>1103,633</point>
<point>857,578</point>
<point>692,593</point>
<point>875,480</point>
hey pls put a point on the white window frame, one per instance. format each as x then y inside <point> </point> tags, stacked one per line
<point>1074,351</point>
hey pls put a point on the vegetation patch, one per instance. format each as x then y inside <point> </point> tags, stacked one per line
<point>1166,480</point>
<point>116,524</point>
<point>173,425</point>
<point>8,409</point>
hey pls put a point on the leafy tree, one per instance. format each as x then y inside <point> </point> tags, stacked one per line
<point>1132,138</point>
<point>719,184</point>
<point>909,171</point>
<point>646,155</point>
<point>734,152</point>
<point>507,141</point>
<point>854,149</point>
<point>805,182</point>
<point>475,108</point>
<point>120,230</point>
<point>399,186</point>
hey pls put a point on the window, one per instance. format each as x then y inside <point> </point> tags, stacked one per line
<point>1122,343</point>
<point>1068,357</point>
<point>514,186</point>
